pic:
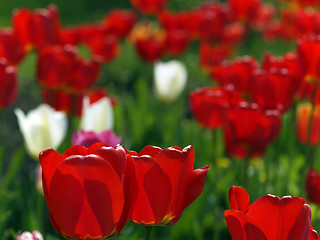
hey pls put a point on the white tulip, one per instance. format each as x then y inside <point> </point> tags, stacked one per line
<point>42,128</point>
<point>170,79</point>
<point>97,116</point>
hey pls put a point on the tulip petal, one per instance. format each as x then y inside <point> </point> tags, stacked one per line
<point>50,161</point>
<point>278,216</point>
<point>94,206</point>
<point>152,151</point>
<point>239,199</point>
<point>115,157</point>
<point>242,226</point>
<point>152,202</point>
<point>75,150</point>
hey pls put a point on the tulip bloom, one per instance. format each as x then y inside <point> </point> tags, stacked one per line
<point>35,235</point>
<point>88,138</point>
<point>167,184</point>
<point>245,10</point>
<point>308,48</point>
<point>42,128</point>
<point>170,79</point>
<point>209,104</point>
<point>237,73</point>
<point>312,185</point>
<point>83,202</point>
<point>273,89</point>
<point>97,116</point>
<point>10,47</point>
<point>8,83</point>
<point>119,22</point>
<point>149,41</point>
<point>149,6</point>
<point>308,124</point>
<point>213,55</point>
<point>36,29</point>
<point>249,130</point>
<point>268,218</point>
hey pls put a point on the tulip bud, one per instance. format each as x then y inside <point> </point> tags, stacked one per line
<point>170,80</point>
<point>42,128</point>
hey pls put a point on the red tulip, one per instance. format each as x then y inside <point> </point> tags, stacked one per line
<point>208,21</point>
<point>313,186</point>
<point>237,74</point>
<point>209,104</point>
<point>167,184</point>
<point>213,55</point>
<point>37,29</point>
<point>149,6</point>
<point>308,48</point>
<point>269,218</point>
<point>177,41</point>
<point>8,83</point>
<point>290,62</point>
<point>273,89</point>
<point>56,65</point>
<point>63,101</point>
<point>104,48</point>
<point>119,22</point>
<point>313,234</point>
<point>249,130</point>
<point>233,33</point>
<point>170,20</point>
<point>244,10</point>
<point>10,47</point>
<point>83,202</point>
<point>69,36</point>
<point>308,124</point>
<point>149,41</point>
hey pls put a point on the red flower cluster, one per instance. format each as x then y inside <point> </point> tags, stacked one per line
<point>63,74</point>
<point>268,218</point>
<point>152,187</point>
<point>8,83</point>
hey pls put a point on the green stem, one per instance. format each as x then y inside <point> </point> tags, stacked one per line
<point>148,233</point>
<point>246,176</point>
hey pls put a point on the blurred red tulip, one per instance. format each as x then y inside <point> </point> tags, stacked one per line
<point>273,89</point>
<point>177,41</point>
<point>119,22</point>
<point>8,83</point>
<point>244,10</point>
<point>167,184</point>
<point>10,47</point>
<point>55,65</point>
<point>36,29</point>
<point>233,33</point>
<point>105,48</point>
<point>249,130</point>
<point>69,35</point>
<point>308,123</point>
<point>211,55</point>
<point>237,73</point>
<point>149,41</point>
<point>207,22</point>
<point>290,62</point>
<point>83,202</point>
<point>149,6</point>
<point>84,75</point>
<point>85,33</point>
<point>61,100</point>
<point>208,105</point>
<point>308,49</point>
<point>313,186</point>
<point>265,14</point>
<point>270,218</point>
<point>169,20</point>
